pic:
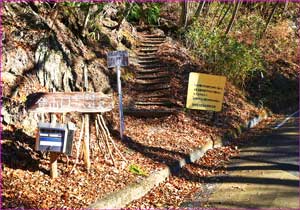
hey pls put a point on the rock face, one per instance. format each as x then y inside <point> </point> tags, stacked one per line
<point>39,55</point>
<point>51,69</point>
<point>16,60</point>
<point>44,49</point>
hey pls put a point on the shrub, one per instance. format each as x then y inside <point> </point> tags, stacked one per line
<point>224,55</point>
<point>148,12</point>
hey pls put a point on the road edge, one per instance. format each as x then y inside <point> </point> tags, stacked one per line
<point>121,198</point>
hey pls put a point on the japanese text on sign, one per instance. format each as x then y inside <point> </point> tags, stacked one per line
<point>60,102</point>
<point>117,58</point>
<point>205,92</point>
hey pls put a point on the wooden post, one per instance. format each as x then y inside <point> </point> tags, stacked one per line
<point>53,155</point>
<point>86,144</point>
<point>53,164</point>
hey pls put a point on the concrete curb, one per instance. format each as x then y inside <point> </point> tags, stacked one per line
<point>135,191</point>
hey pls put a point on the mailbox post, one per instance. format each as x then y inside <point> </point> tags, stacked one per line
<point>54,138</point>
<point>51,136</point>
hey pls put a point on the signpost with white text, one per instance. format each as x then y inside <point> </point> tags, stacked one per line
<point>118,59</point>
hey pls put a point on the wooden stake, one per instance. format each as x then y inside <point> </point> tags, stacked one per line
<point>53,155</point>
<point>53,164</point>
<point>106,140</point>
<point>78,146</point>
<point>86,144</point>
<point>98,134</point>
<point>110,138</point>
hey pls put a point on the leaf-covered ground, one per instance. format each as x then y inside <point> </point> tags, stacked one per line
<point>188,187</point>
<point>151,144</point>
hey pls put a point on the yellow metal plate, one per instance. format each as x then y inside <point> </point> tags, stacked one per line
<point>205,92</point>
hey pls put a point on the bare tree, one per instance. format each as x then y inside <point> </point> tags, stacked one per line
<point>86,20</point>
<point>197,13</point>
<point>223,17</point>
<point>270,17</point>
<point>233,17</point>
<point>199,9</point>
<point>184,13</point>
<point>216,14</point>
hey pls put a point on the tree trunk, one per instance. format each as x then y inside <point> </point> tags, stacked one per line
<point>286,4</point>
<point>216,14</point>
<point>223,17</point>
<point>270,17</point>
<point>197,13</point>
<point>199,9</point>
<point>233,17</point>
<point>86,20</point>
<point>220,16</point>
<point>208,8</point>
<point>184,13</point>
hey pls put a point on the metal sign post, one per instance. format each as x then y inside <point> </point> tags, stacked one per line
<point>120,102</point>
<point>118,59</point>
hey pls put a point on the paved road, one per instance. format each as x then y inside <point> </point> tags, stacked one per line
<point>265,175</point>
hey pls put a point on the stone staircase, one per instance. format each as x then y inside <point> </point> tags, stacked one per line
<point>152,90</point>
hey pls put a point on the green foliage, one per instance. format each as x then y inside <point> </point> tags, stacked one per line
<point>135,169</point>
<point>224,55</point>
<point>135,13</point>
<point>152,13</point>
<point>148,12</point>
<point>252,23</point>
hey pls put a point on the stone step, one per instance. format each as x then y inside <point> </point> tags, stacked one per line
<point>143,54</point>
<point>153,99</point>
<point>146,58</point>
<point>156,95</point>
<point>156,87</point>
<point>153,103</point>
<point>157,42</point>
<point>150,82</point>
<point>143,45</point>
<point>153,76</point>
<point>153,36</point>
<point>145,62</point>
<point>150,71</point>
<point>153,41</point>
<point>148,113</point>
<point>144,50</point>
<point>152,66</point>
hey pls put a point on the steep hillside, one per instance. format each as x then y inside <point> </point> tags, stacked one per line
<point>48,46</point>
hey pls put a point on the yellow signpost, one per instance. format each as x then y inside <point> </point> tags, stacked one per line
<point>205,92</point>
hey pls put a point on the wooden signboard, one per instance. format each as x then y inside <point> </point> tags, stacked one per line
<point>61,102</point>
<point>117,58</point>
<point>205,92</point>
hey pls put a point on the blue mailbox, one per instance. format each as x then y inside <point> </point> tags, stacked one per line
<point>55,137</point>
